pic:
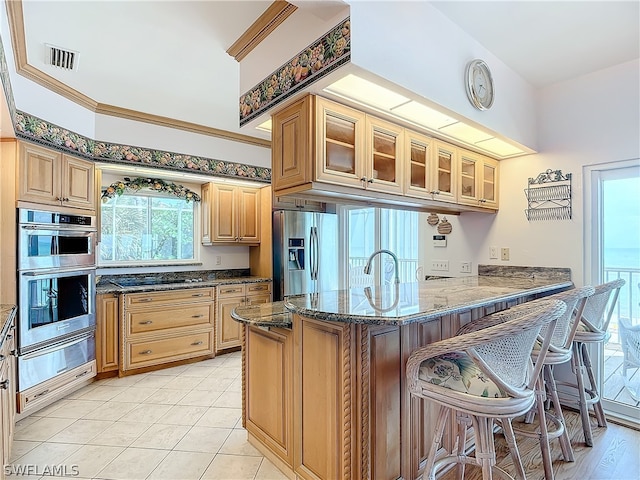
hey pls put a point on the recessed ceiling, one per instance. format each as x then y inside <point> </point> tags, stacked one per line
<point>169,58</point>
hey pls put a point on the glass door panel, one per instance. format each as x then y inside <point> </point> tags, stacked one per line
<point>468,178</point>
<point>384,156</point>
<point>340,144</point>
<point>445,162</point>
<point>418,165</point>
<point>489,183</point>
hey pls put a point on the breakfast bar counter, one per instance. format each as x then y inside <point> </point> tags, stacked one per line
<point>324,397</point>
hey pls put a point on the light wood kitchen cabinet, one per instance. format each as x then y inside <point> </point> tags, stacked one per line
<point>49,177</point>
<point>268,374</point>
<point>228,331</point>
<point>205,214</point>
<point>290,203</point>
<point>166,326</point>
<point>235,215</point>
<point>477,180</point>
<point>362,159</point>
<point>7,391</point>
<point>107,320</point>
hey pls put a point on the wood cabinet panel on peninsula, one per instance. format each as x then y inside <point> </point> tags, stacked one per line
<point>107,320</point>
<point>7,391</point>
<point>49,177</point>
<point>165,326</point>
<point>326,151</point>
<point>230,214</point>
<point>228,331</point>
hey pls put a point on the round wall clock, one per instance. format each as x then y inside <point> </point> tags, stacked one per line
<point>479,83</point>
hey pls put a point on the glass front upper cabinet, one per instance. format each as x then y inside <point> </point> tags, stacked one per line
<point>340,143</point>
<point>384,156</point>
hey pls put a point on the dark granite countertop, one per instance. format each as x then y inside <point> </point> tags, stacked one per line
<point>7,312</point>
<point>410,302</point>
<point>108,287</point>
<point>263,315</point>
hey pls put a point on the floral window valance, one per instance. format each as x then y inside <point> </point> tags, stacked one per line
<point>134,185</point>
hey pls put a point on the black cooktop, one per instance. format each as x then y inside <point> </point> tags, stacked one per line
<point>138,282</point>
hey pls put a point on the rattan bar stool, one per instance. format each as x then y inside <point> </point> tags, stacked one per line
<point>592,329</point>
<point>483,376</point>
<point>560,351</point>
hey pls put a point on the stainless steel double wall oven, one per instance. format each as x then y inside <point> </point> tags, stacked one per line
<point>56,270</point>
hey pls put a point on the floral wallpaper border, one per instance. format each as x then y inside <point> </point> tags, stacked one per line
<point>318,59</point>
<point>48,134</point>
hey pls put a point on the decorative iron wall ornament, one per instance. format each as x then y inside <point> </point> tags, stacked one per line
<point>154,184</point>
<point>549,196</point>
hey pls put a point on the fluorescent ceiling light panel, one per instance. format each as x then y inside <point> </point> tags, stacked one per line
<point>499,147</point>
<point>366,92</point>
<point>265,126</point>
<point>422,115</point>
<point>466,133</point>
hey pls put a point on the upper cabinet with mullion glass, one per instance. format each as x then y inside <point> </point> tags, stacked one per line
<point>477,180</point>
<point>339,143</point>
<point>384,156</point>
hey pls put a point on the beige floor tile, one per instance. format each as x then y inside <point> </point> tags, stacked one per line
<point>200,372</point>
<point>220,417</point>
<point>134,394</point>
<point>226,372</point>
<point>21,447</point>
<point>199,398</point>
<point>228,399</point>
<point>127,381</point>
<point>182,466</point>
<point>214,384</point>
<point>166,396</point>
<point>268,471</point>
<point>146,413</point>
<point>110,411</point>
<point>236,386</point>
<point>203,439</point>
<point>81,431</point>
<point>47,453</point>
<point>76,408</point>
<point>103,392</point>
<point>83,391</point>
<point>232,467</point>
<point>90,459</point>
<point>184,383</point>
<point>133,464</point>
<point>237,444</point>
<point>183,415</point>
<point>26,421</point>
<point>161,436</point>
<point>211,362</point>
<point>120,434</point>
<point>42,429</point>
<point>44,412</point>
<point>154,381</point>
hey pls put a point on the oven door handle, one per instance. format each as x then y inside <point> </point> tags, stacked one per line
<point>57,272</point>
<point>81,229</point>
<point>58,346</point>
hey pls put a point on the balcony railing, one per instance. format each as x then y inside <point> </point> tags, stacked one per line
<point>628,305</point>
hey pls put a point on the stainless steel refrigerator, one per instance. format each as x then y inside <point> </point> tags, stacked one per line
<point>305,253</point>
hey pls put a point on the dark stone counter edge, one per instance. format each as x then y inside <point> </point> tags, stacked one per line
<point>282,320</point>
<point>111,288</point>
<point>418,317</point>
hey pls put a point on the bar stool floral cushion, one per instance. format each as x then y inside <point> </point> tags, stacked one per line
<point>457,371</point>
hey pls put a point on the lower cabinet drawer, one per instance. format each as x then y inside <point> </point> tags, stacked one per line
<point>152,352</point>
<point>169,318</point>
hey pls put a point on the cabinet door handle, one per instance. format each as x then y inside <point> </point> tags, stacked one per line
<point>145,352</point>
<point>197,343</point>
<point>65,199</point>
<point>86,372</point>
<point>197,295</point>
<point>145,299</point>
<point>197,316</point>
<point>146,322</point>
<point>370,180</point>
<point>4,385</point>
<point>261,287</point>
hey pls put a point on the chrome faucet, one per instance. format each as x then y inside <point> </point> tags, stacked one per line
<point>367,267</point>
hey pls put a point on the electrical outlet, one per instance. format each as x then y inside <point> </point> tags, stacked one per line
<point>218,260</point>
<point>493,253</point>
<point>504,251</point>
<point>465,267</point>
<point>440,265</point>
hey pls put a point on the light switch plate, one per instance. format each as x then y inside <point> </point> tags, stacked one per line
<point>440,265</point>
<point>493,253</point>
<point>504,252</point>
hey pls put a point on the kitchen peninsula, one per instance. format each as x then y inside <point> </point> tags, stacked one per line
<point>324,393</point>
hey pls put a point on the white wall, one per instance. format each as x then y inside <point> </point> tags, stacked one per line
<point>586,121</point>
<point>414,45</point>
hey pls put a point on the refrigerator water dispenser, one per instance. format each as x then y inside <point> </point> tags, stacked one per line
<point>296,254</point>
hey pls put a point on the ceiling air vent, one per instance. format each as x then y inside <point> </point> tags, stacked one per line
<point>61,57</point>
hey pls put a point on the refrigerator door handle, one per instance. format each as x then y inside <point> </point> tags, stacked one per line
<point>316,251</point>
<point>311,254</point>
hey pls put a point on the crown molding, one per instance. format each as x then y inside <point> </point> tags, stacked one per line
<point>266,23</point>
<point>16,25</point>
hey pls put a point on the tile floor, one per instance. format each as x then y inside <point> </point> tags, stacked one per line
<point>181,423</point>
